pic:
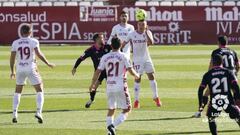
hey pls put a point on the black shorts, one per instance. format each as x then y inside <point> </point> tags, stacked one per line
<point>102,76</point>
<point>232,110</point>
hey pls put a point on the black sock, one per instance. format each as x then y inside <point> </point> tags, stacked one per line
<point>212,126</point>
<point>92,95</point>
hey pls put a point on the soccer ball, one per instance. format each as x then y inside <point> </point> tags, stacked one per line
<point>141,14</point>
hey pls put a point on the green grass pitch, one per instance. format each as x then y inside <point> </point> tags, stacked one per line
<point>178,71</point>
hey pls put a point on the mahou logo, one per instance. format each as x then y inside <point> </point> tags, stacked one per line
<point>154,15</point>
<point>217,14</point>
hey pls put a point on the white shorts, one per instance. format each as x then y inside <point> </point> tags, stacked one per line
<point>119,99</point>
<point>142,67</point>
<point>32,75</point>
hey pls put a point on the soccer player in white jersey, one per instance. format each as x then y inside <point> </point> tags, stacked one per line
<point>121,30</point>
<point>116,64</point>
<point>140,40</point>
<point>25,49</point>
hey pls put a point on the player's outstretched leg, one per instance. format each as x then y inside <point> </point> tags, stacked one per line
<point>109,121</point>
<point>154,88</point>
<point>39,102</point>
<point>39,117</point>
<point>111,130</point>
<point>93,93</point>
<point>16,102</point>
<point>212,126</point>
<point>136,94</point>
<point>92,97</point>
<point>234,113</point>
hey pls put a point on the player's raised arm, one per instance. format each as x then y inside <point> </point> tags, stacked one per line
<point>113,33</point>
<point>12,63</point>
<point>150,40</point>
<point>43,58</point>
<point>86,54</point>
<point>124,43</point>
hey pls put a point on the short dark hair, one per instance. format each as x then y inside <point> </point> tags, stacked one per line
<point>26,29</point>
<point>96,36</point>
<point>116,43</point>
<point>223,40</point>
<point>123,12</point>
<point>217,59</point>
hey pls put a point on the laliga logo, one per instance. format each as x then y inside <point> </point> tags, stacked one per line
<point>220,102</point>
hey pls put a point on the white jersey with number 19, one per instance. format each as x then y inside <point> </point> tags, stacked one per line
<point>24,48</point>
<point>115,64</point>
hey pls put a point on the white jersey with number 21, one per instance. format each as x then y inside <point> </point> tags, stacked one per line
<point>115,64</point>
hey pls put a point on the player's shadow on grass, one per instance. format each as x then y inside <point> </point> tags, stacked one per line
<point>162,119</point>
<point>55,93</point>
<point>57,110</point>
<point>159,119</point>
<point>13,124</point>
<point>194,132</point>
<point>46,111</point>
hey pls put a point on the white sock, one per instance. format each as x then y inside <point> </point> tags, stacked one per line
<point>136,90</point>
<point>120,119</point>
<point>39,101</point>
<point>16,102</point>
<point>153,84</point>
<point>109,120</point>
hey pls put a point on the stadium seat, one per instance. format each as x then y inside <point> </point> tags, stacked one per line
<point>85,3</point>
<point>26,0</point>
<point>140,3</point>
<point>72,3</point>
<point>33,4</point>
<point>59,4</point>
<point>20,4</point>
<point>216,3</point>
<point>203,3</point>
<point>46,4</point>
<point>166,3</point>
<point>168,0</point>
<point>238,3</point>
<point>191,3</point>
<point>178,3</point>
<point>12,0</point>
<point>8,4</point>
<point>229,3</point>
<point>153,3</point>
<point>51,0</point>
<point>76,0</point>
<point>97,3</point>
<point>39,0</point>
